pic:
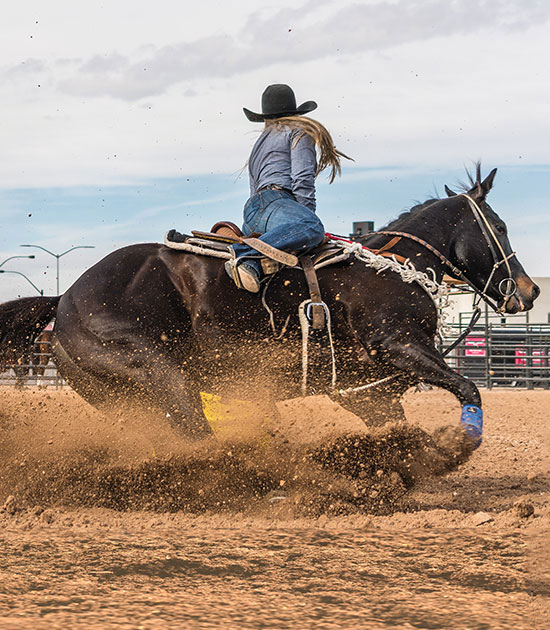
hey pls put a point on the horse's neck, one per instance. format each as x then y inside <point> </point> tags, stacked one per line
<point>436,229</point>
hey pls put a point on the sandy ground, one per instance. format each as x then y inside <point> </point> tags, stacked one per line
<point>113,523</point>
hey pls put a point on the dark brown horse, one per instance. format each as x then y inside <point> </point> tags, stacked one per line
<point>158,326</point>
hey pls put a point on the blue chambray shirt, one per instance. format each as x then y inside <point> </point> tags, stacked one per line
<point>275,160</point>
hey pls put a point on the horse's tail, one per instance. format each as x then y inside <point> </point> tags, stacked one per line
<point>20,322</point>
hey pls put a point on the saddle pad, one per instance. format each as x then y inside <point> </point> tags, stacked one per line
<point>202,247</point>
<point>219,248</point>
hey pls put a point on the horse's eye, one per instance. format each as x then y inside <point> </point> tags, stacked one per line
<point>501,229</point>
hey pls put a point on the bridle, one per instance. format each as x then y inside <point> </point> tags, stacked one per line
<point>507,287</point>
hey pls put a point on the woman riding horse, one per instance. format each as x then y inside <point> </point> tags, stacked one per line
<point>282,169</point>
<point>156,326</point>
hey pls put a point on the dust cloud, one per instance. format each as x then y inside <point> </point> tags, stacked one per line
<point>56,451</point>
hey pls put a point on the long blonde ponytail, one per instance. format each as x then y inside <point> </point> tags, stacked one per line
<point>329,154</point>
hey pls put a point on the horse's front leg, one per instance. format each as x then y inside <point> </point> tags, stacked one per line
<point>424,363</point>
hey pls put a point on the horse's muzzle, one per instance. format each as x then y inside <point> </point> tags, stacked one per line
<point>522,300</point>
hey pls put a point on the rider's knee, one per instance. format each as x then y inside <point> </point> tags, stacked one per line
<point>315,229</point>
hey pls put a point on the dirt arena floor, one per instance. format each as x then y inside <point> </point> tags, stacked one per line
<point>112,522</point>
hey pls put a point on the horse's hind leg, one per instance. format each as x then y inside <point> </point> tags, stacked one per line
<point>107,376</point>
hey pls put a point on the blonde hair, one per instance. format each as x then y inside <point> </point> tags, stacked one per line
<point>329,154</point>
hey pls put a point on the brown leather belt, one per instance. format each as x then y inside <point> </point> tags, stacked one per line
<point>275,187</point>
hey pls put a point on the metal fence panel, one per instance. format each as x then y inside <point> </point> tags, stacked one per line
<point>503,355</point>
<point>36,368</point>
<point>492,355</point>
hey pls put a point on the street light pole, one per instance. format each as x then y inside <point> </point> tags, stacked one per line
<point>12,257</point>
<point>58,256</point>
<point>24,276</point>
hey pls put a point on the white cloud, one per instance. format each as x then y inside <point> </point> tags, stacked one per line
<point>425,83</point>
<point>131,91</point>
<point>293,35</point>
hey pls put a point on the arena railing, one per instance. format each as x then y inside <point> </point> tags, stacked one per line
<point>494,354</point>
<point>503,354</point>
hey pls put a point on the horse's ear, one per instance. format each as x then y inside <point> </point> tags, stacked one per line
<point>487,183</point>
<point>482,188</point>
<point>450,193</point>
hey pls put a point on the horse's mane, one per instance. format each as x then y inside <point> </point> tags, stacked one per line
<point>395,224</point>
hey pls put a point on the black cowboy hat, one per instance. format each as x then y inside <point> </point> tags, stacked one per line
<point>278,100</point>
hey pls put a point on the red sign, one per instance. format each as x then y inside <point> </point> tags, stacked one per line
<point>474,347</point>
<point>539,352</point>
<point>521,356</point>
<point>519,353</point>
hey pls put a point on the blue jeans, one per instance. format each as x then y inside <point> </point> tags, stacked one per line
<point>283,223</point>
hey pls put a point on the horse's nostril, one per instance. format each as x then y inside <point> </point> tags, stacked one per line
<point>536,292</point>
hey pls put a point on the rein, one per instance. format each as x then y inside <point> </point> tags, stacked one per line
<point>508,283</point>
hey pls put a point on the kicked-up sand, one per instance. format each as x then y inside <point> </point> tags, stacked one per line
<point>308,521</point>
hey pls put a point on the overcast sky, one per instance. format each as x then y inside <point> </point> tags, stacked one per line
<point>123,119</point>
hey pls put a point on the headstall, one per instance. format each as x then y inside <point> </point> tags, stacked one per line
<point>507,287</point>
